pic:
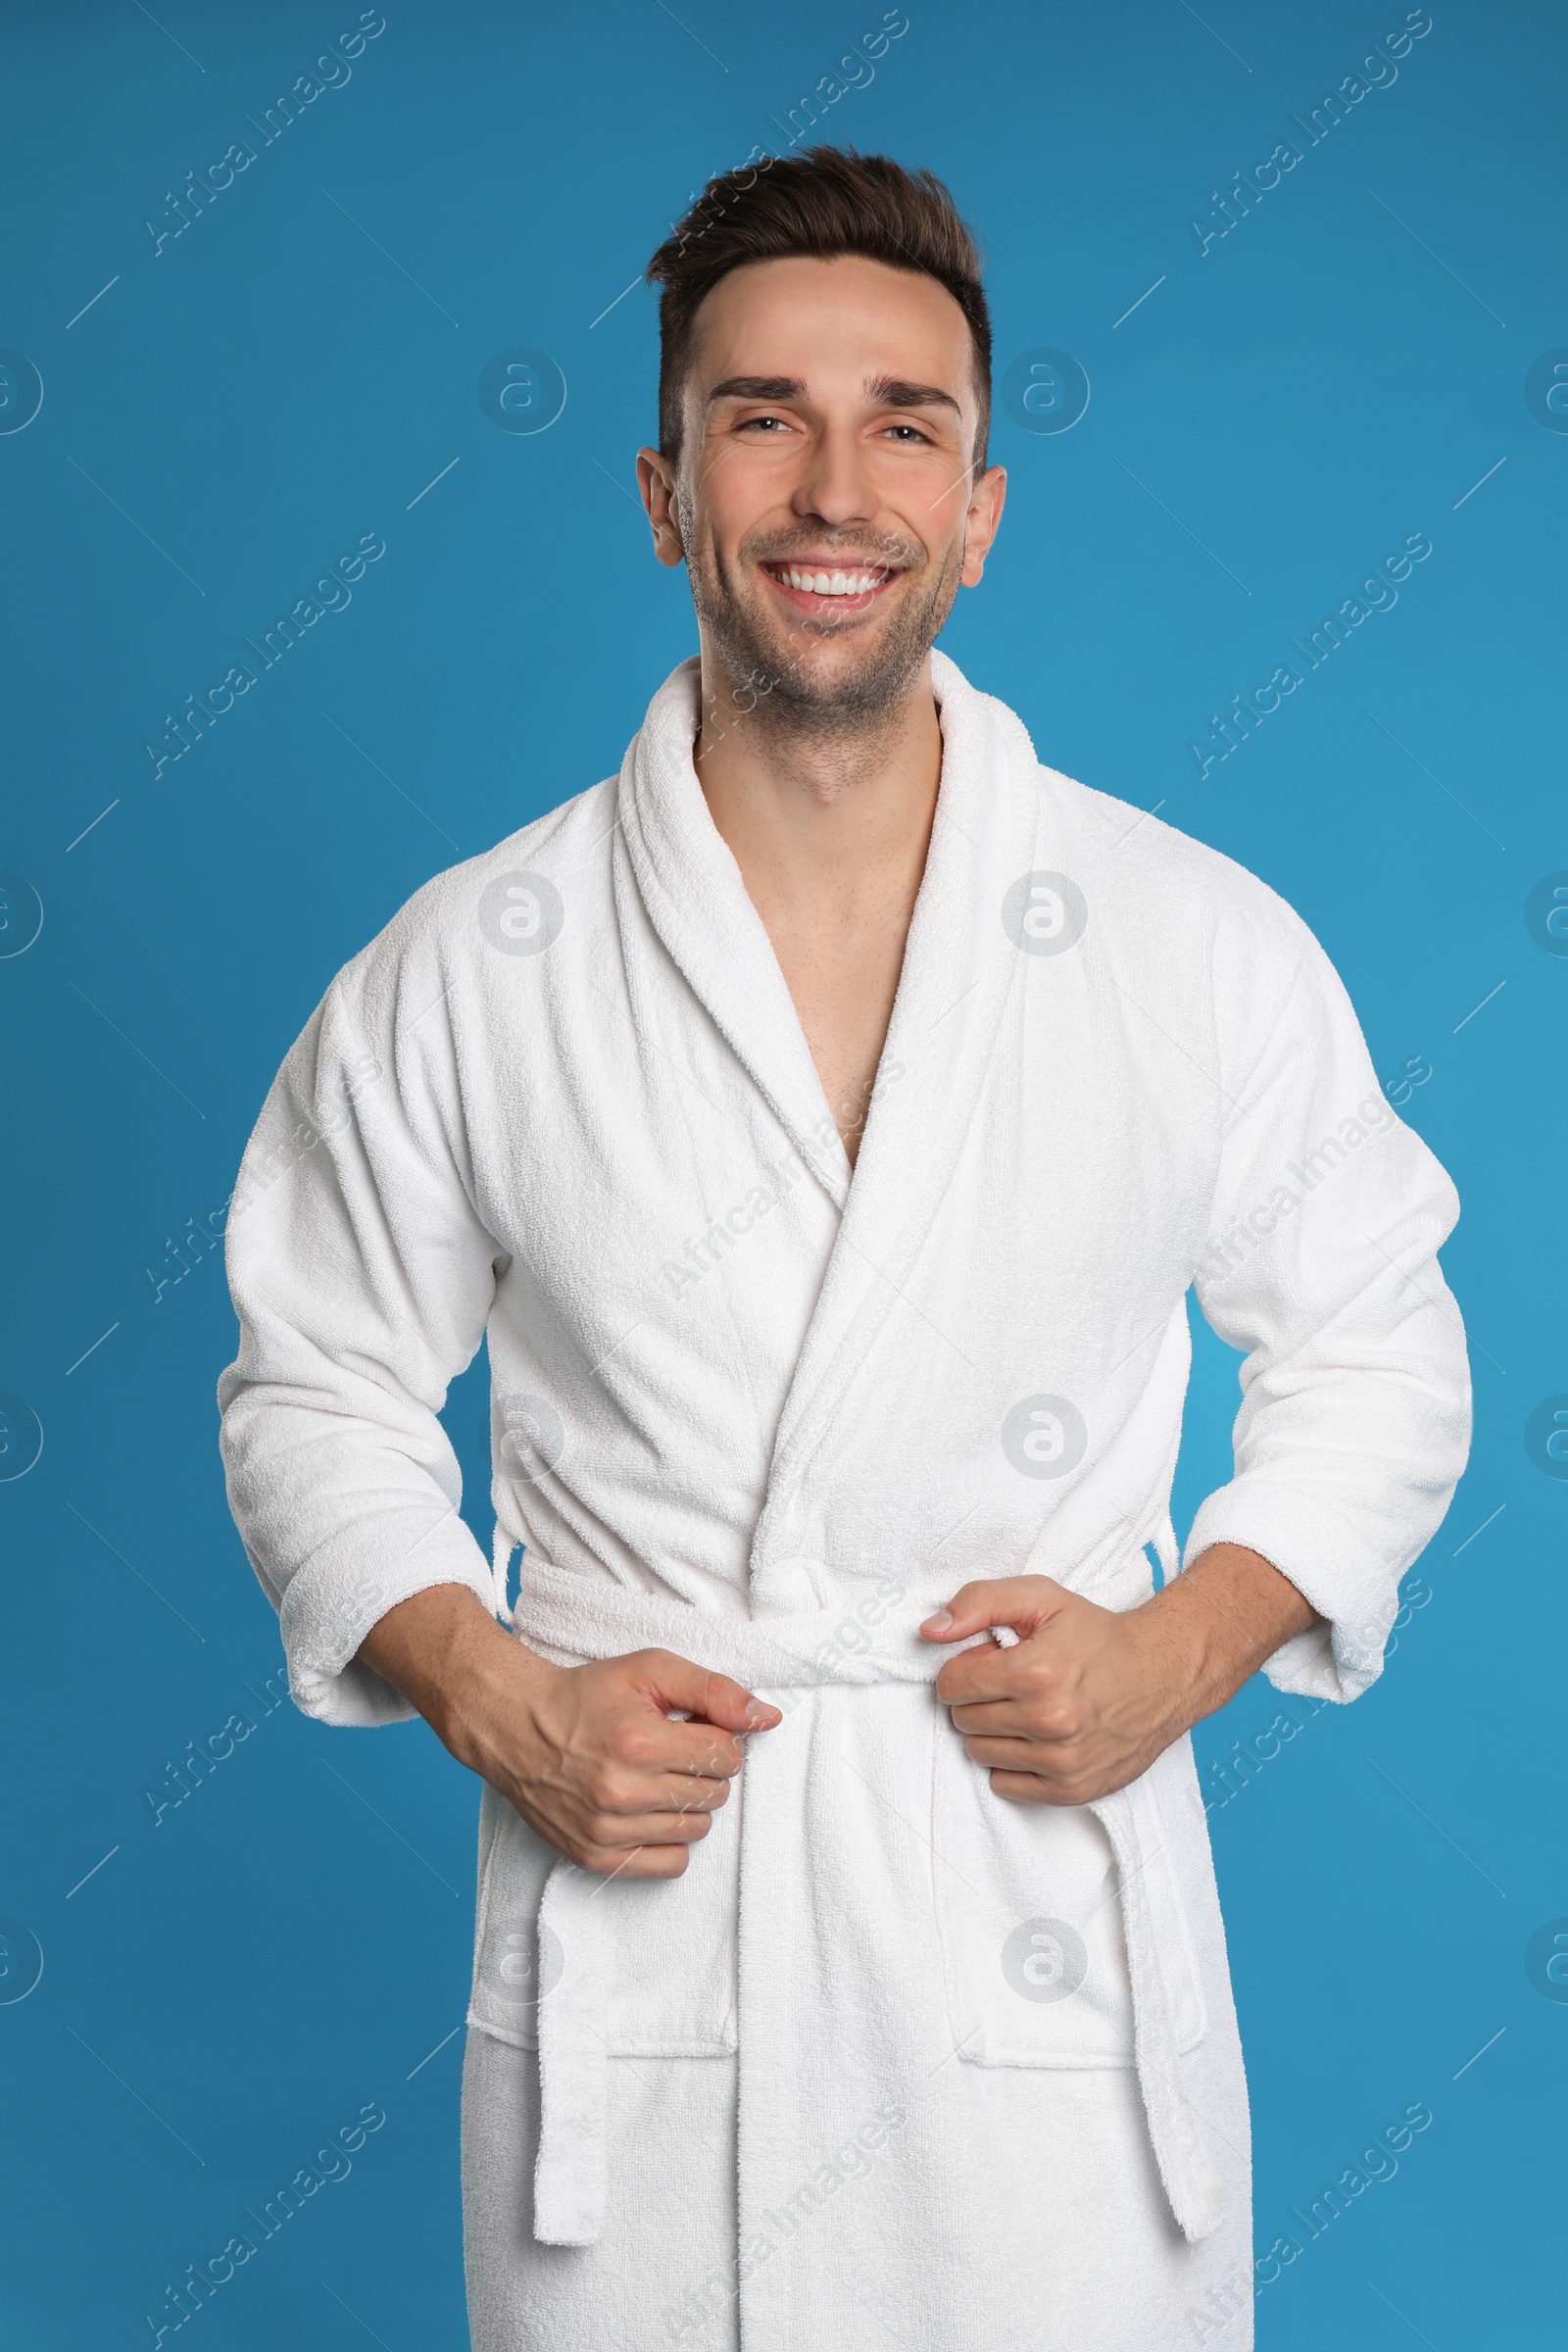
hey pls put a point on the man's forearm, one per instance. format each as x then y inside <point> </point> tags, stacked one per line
<point>442,1648</point>
<point>1223,1618</point>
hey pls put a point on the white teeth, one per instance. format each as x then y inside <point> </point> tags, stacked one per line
<point>838,583</point>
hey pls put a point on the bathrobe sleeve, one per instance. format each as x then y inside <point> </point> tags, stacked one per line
<point>363,1279</point>
<point>1321,1263</point>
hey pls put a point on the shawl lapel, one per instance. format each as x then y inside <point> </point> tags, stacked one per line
<point>692,895</point>
<point>959,966</point>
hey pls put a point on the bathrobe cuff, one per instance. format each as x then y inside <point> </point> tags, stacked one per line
<point>331,1604</point>
<point>1330,1566</point>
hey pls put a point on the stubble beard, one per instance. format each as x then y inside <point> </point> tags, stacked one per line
<point>775,684</point>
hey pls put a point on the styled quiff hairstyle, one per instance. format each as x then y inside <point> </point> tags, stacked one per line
<point>828,201</point>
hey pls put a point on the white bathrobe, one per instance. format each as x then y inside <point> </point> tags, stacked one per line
<point>759,1410</point>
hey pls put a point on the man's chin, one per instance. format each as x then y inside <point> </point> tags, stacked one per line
<point>800,672</point>
<point>837,689</point>
<point>834,665</point>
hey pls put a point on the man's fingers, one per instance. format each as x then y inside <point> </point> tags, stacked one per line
<point>984,1676</point>
<point>1003,1754</point>
<point>635,1796</point>
<point>1027,1788</point>
<point>674,1681</point>
<point>1004,1718</point>
<point>1024,1602</point>
<point>688,1792</point>
<point>695,1749</point>
<point>619,1833</point>
<point>636,1862</point>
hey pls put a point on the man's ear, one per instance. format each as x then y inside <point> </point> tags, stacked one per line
<point>981,525</point>
<point>656,479</point>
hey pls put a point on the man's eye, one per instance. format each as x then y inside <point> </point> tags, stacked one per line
<point>748,421</point>
<point>912,430</point>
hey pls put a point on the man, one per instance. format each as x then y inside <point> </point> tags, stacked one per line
<point>826,1119</point>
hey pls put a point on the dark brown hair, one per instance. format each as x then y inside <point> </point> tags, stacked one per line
<point>828,201</point>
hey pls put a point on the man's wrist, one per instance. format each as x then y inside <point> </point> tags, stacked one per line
<point>446,1654</point>
<point>1223,1619</point>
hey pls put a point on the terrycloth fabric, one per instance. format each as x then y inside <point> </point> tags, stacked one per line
<point>1138,1998</point>
<point>1100,2267</point>
<point>781,1415</point>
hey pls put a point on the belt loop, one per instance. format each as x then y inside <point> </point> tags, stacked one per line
<point>571,2180</point>
<point>502,1549</point>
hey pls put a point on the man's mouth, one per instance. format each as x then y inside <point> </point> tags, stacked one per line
<point>822,587</point>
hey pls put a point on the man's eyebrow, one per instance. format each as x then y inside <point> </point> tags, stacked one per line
<point>892,392</point>
<point>758,387</point>
<point>882,391</point>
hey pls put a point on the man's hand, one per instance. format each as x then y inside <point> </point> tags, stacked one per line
<point>586,1754</point>
<point>1089,1698</point>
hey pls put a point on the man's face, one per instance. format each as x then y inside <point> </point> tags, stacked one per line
<point>825,503</point>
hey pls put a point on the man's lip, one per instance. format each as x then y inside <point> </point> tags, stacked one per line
<point>810,600</point>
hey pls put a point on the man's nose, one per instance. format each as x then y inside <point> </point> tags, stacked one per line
<point>833,484</point>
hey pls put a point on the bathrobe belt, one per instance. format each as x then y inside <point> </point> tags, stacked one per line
<point>570,1618</point>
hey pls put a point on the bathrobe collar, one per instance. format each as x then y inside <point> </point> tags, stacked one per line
<point>697,902</point>
<point>994,823</point>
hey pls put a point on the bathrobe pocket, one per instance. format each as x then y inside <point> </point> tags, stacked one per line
<point>1029,1918</point>
<point>658,1953</point>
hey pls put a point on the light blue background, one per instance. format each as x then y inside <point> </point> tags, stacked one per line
<point>231,415</point>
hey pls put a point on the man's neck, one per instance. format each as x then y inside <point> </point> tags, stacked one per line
<point>818,820</point>
<point>830,835</point>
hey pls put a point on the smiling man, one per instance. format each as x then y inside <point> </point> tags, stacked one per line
<point>826,1119</point>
